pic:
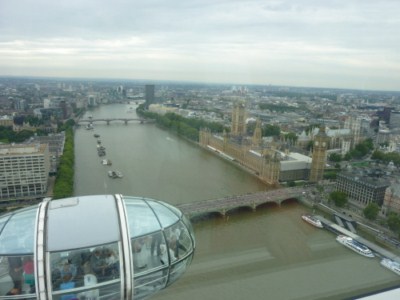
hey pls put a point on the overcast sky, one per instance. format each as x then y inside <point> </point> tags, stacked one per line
<point>320,43</point>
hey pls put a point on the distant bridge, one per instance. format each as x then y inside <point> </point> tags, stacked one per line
<point>224,205</point>
<point>109,120</point>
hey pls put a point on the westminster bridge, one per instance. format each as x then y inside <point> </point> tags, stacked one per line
<point>226,204</point>
<point>109,120</point>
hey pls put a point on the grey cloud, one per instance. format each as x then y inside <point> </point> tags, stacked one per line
<point>230,35</point>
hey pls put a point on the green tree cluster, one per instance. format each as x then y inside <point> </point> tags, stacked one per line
<point>64,185</point>
<point>266,130</point>
<point>280,108</point>
<point>393,221</point>
<point>387,157</point>
<point>360,150</point>
<point>330,174</point>
<point>271,130</point>
<point>290,136</point>
<point>371,211</point>
<point>335,157</point>
<point>7,135</point>
<point>339,198</point>
<point>186,127</point>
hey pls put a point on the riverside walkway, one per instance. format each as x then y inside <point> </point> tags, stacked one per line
<point>224,205</point>
<point>374,247</point>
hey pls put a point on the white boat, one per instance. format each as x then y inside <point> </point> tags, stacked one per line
<point>115,174</point>
<point>354,245</point>
<point>391,265</point>
<point>106,162</point>
<point>312,220</point>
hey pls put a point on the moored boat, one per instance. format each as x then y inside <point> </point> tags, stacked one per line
<point>96,135</point>
<point>391,265</point>
<point>106,162</point>
<point>312,220</point>
<point>114,174</point>
<point>354,245</point>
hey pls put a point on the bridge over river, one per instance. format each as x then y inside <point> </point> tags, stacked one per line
<point>109,120</point>
<point>224,205</point>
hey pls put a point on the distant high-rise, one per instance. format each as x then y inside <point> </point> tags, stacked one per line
<point>149,94</point>
<point>395,119</point>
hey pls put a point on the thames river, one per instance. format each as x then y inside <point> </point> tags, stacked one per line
<point>267,254</point>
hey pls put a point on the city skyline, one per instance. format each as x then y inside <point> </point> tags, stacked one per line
<point>345,44</point>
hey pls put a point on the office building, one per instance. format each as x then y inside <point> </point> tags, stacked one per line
<point>363,186</point>
<point>395,119</point>
<point>56,143</point>
<point>24,171</point>
<point>391,201</point>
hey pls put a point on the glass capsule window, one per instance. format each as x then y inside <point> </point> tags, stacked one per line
<point>17,280</point>
<point>161,251</point>
<point>93,247</point>
<point>17,234</point>
<point>87,273</point>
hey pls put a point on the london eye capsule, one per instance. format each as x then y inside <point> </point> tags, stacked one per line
<point>93,247</point>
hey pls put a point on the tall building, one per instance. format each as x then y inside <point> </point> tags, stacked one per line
<point>354,124</point>
<point>7,121</point>
<point>319,155</point>
<point>391,202</point>
<point>257,136</point>
<point>395,119</point>
<point>238,119</point>
<point>363,186</point>
<point>24,171</point>
<point>149,94</point>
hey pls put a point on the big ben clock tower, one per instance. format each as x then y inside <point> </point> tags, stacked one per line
<point>319,155</point>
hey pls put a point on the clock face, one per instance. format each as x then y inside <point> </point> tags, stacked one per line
<point>323,144</point>
<point>316,143</point>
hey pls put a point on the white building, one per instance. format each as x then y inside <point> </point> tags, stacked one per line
<point>24,171</point>
<point>162,109</point>
<point>294,166</point>
<point>6,121</point>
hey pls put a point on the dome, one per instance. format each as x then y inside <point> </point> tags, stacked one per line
<point>93,247</point>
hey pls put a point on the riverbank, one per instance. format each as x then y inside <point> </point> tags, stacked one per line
<point>371,232</point>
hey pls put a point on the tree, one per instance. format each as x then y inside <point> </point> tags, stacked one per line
<point>271,130</point>
<point>330,174</point>
<point>310,145</point>
<point>291,136</point>
<point>335,157</point>
<point>339,198</point>
<point>393,222</point>
<point>291,183</point>
<point>371,211</point>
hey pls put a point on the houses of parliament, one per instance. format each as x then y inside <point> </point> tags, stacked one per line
<point>266,160</point>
